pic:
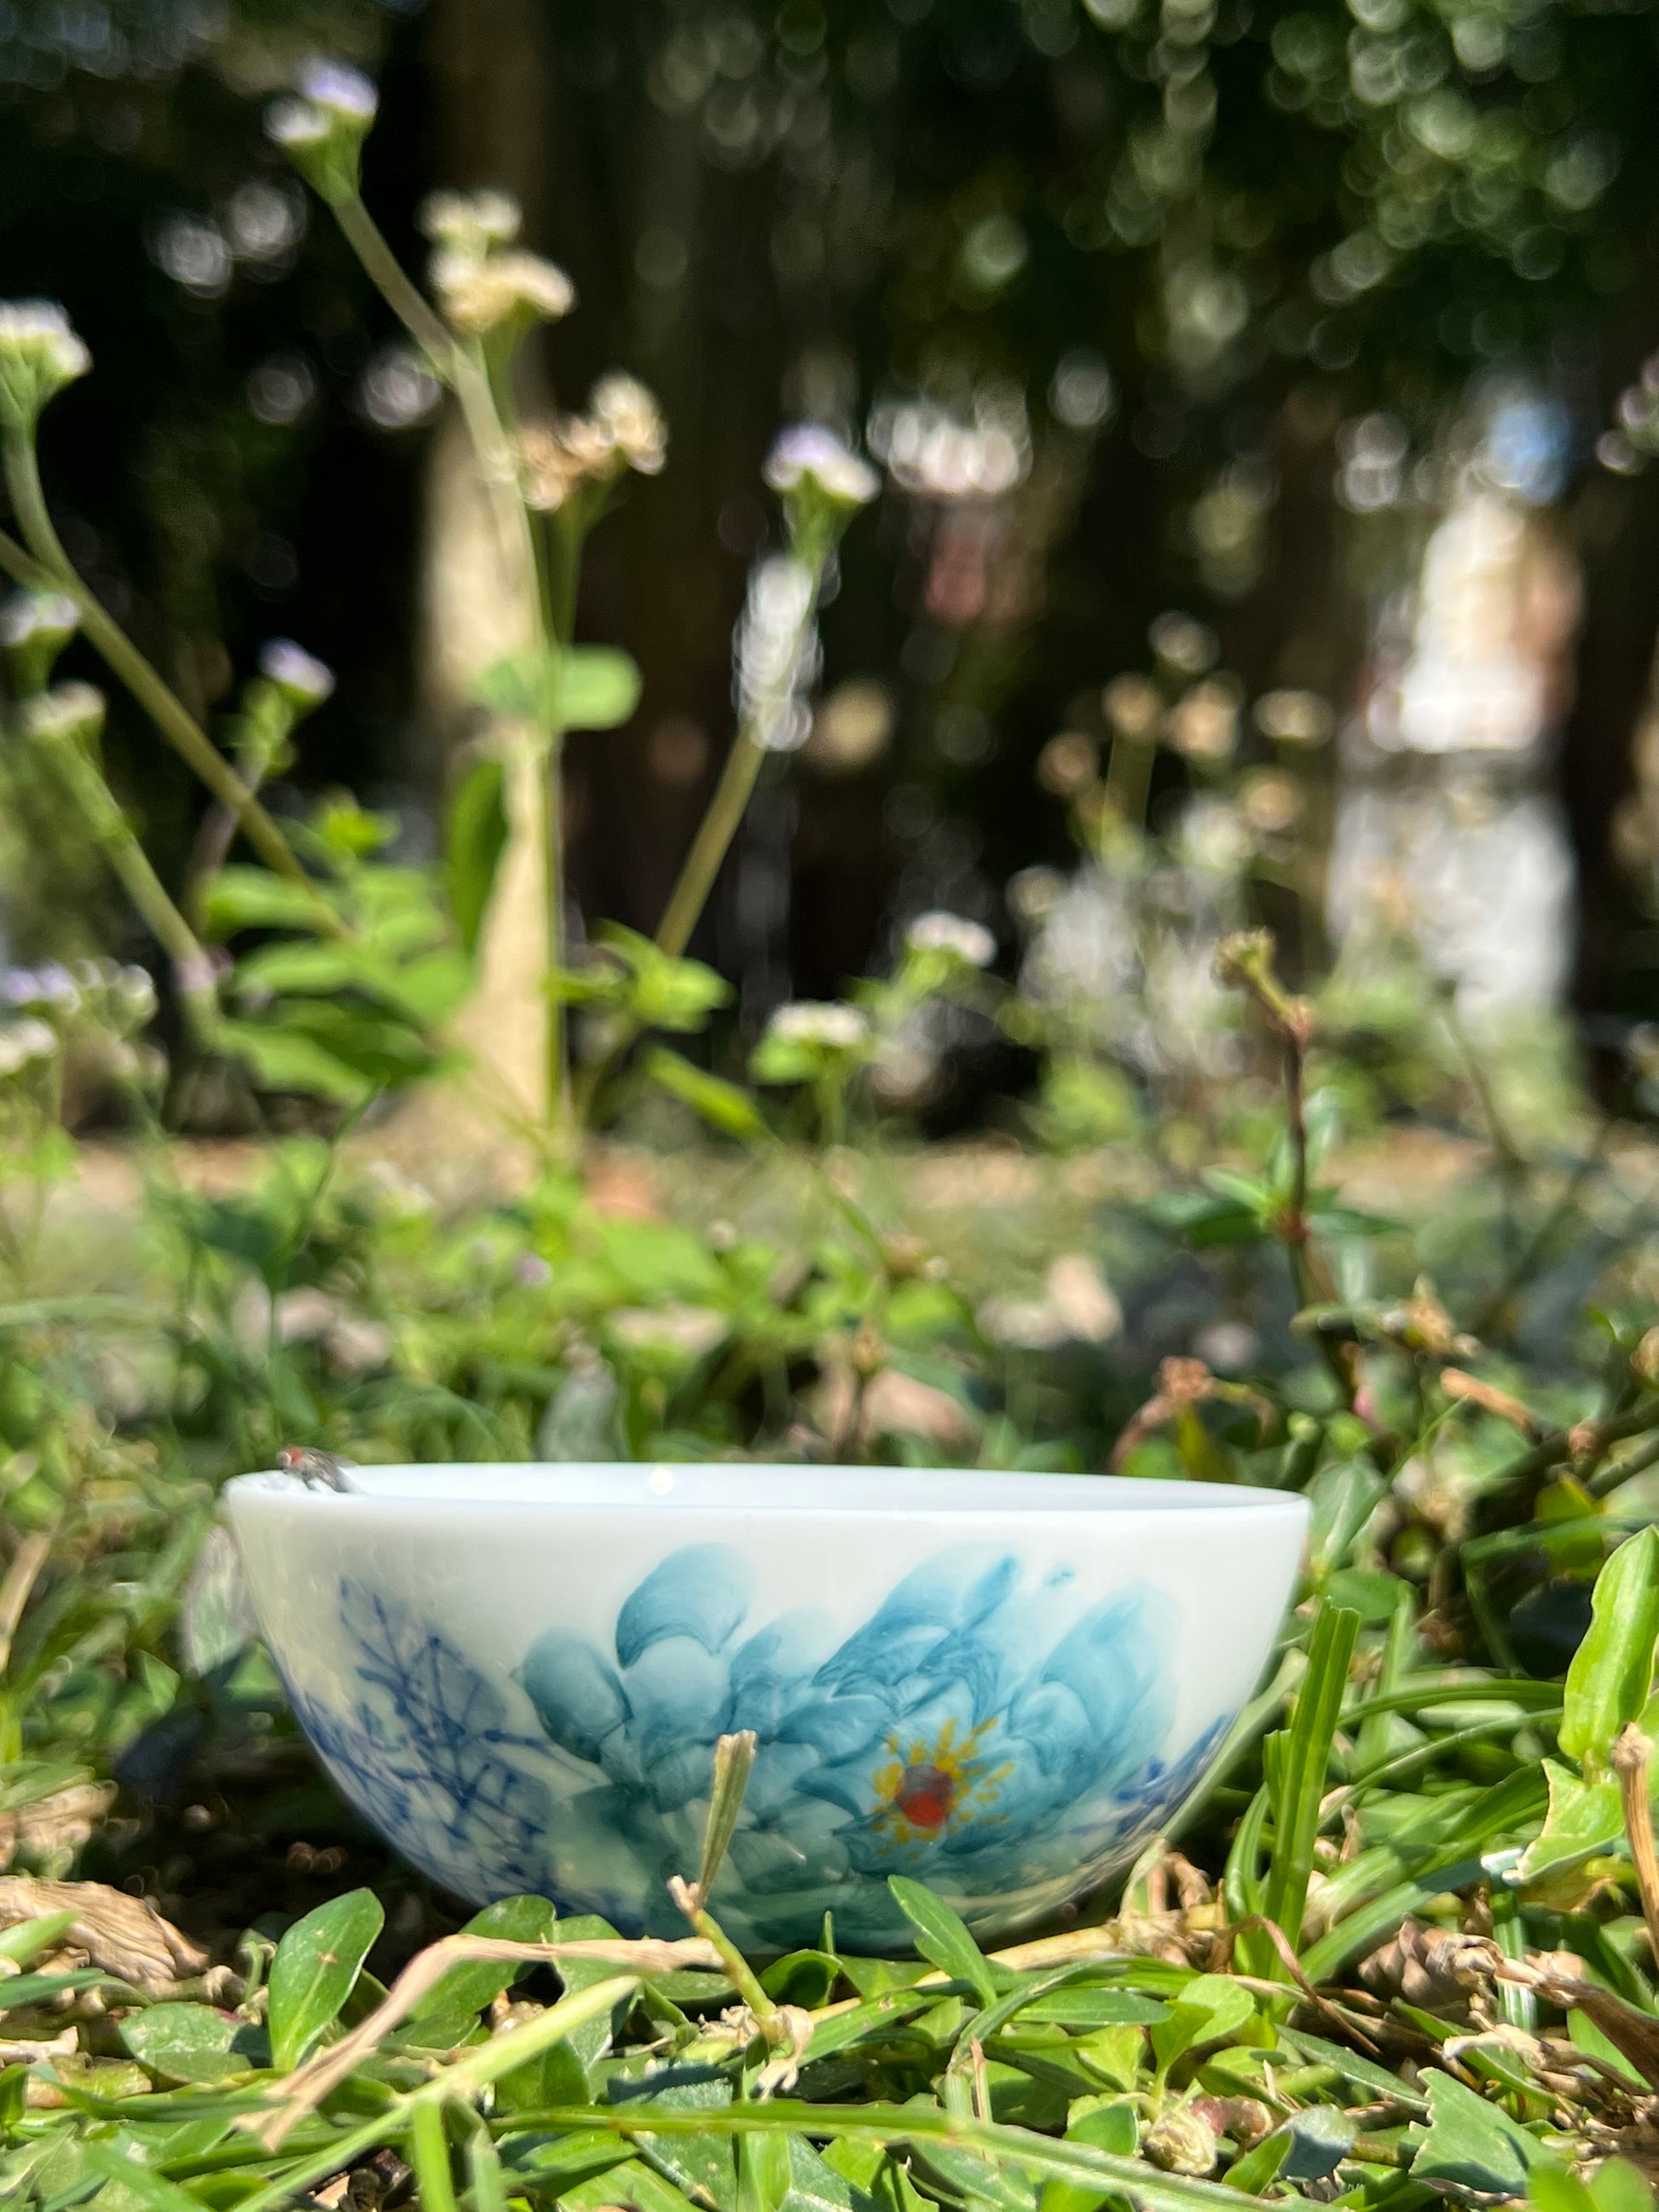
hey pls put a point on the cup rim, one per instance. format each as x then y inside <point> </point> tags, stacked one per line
<point>707,1491</point>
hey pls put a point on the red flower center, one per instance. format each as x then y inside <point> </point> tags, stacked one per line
<point>925,1796</point>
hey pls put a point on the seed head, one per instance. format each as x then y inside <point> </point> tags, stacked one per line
<point>39,353</point>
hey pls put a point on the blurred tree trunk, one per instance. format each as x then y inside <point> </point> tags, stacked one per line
<point>489,90</point>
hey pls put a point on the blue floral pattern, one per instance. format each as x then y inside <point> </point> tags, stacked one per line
<point>423,1751</point>
<point>984,1730</point>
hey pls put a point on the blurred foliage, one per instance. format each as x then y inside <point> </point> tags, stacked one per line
<point>1186,253</point>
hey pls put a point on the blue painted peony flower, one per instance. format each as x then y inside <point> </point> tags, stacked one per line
<point>982,1733</point>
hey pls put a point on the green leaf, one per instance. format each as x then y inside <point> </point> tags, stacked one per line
<point>1583,1818</point>
<point>1259,2166</point>
<point>1295,1762</point>
<point>24,1942</point>
<point>477,838</point>
<point>723,1105</point>
<point>194,2042</point>
<point>1373,1596</point>
<point>1619,2187</point>
<point>1320,2138</point>
<point>253,898</point>
<point>1203,1219</point>
<point>1612,1671</point>
<point>704,2166</point>
<point>121,2162</point>
<point>632,2184</point>
<point>314,1971</point>
<point>302,964</point>
<point>281,1060</point>
<point>942,1936</point>
<point>1208,2010</point>
<point>1470,2144</point>
<point>1555,2188</point>
<point>814,2184</point>
<point>19,1991</point>
<point>470,1987</point>
<point>1107,2124</point>
<point>521,685</point>
<point>763,2172</point>
<point>599,687</point>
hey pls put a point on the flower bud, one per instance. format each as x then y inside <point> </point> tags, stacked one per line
<point>34,628</point>
<point>69,714</point>
<point>39,353</point>
<point>470,222</point>
<point>323,130</point>
<point>954,936</point>
<point>1181,2142</point>
<point>822,482</point>
<point>304,682</point>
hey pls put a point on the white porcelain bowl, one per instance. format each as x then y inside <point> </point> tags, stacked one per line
<point>999,1684</point>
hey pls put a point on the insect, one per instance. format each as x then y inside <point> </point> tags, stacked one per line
<point>317,1470</point>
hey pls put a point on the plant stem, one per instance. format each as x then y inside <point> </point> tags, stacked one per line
<point>768,2017</point>
<point>168,713</point>
<point>467,376</point>
<point>714,838</point>
<point>192,969</point>
<point>1629,1761</point>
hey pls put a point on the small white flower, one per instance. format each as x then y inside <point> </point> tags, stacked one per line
<point>473,222</point>
<point>322,132</point>
<point>304,681</point>
<point>68,713</point>
<point>24,1043</point>
<point>134,993</point>
<point>343,93</point>
<point>39,353</point>
<point>939,455</point>
<point>809,452</point>
<point>27,615</point>
<point>504,289</point>
<point>630,414</point>
<point>954,933</point>
<point>821,1021</point>
<point>56,987</point>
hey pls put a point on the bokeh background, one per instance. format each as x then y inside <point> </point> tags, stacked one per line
<point>1288,356</point>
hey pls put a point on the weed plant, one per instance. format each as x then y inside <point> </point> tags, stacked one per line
<point>1402,1944</point>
